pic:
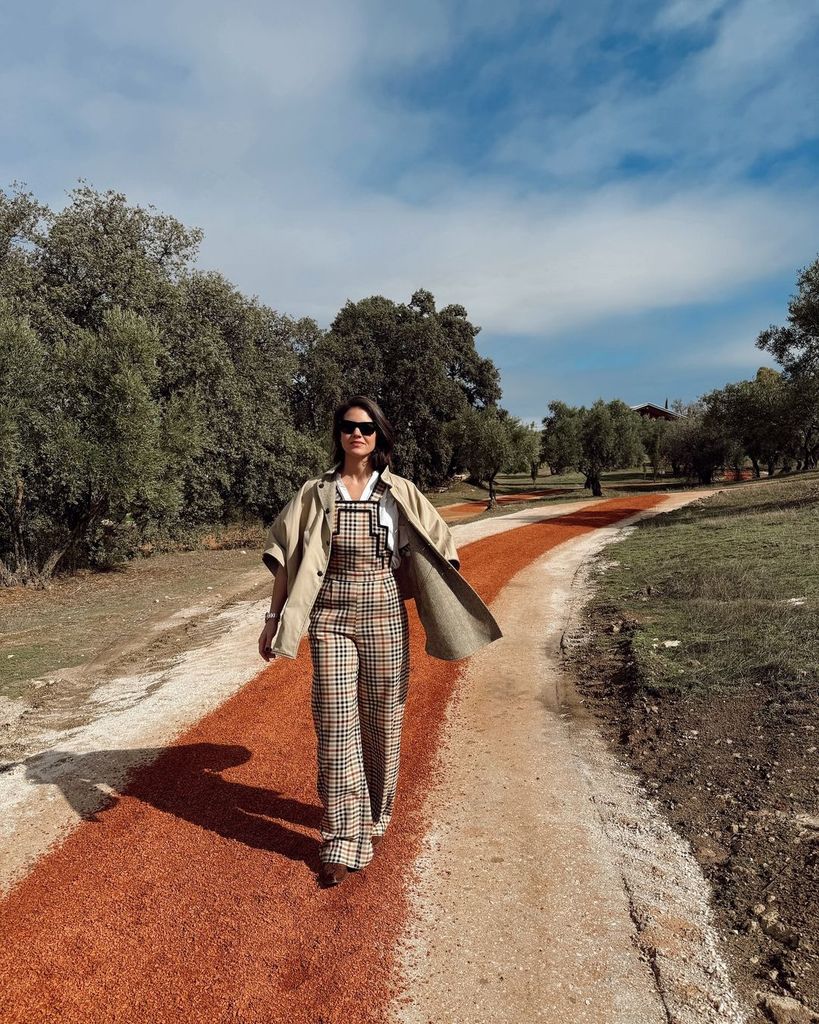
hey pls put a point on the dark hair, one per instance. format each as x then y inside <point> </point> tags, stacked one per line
<point>381,455</point>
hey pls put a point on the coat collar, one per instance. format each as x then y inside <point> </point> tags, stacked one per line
<point>386,476</point>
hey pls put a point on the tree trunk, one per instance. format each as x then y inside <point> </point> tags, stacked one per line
<point>21,567</point>
<point>593,481</point>
<point>96,510</point>
<point>7,577</point>
<point>493,502</point>
<point>757,470</point>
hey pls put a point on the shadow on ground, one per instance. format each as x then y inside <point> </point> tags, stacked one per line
<point>186,782</point>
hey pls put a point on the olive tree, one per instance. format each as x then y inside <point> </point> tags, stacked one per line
<point>488,442</point>
<point>603,437</point>
<point>418,362</point>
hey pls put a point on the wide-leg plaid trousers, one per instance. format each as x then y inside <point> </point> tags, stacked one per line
<point>359,644</point>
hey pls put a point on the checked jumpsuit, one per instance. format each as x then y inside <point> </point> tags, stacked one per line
<point>359,644</point>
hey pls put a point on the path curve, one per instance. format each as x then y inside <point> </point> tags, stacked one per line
<point>464,509</point>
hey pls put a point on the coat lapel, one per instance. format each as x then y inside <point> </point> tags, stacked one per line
<point>455,619</point>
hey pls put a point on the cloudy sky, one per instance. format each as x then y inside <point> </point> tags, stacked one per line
<point>620,192</point>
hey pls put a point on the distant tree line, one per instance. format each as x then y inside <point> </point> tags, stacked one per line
<point>143,400</point>
<point>772,420</point>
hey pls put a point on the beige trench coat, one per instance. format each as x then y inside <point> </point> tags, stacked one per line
<point>456,621</point>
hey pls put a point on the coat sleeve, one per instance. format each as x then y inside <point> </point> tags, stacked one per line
<point>436,527</point>
<point>283,544</point>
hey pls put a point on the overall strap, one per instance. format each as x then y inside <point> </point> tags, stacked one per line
<point>378,490</point>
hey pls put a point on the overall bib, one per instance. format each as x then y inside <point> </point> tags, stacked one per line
<point>360,649</point>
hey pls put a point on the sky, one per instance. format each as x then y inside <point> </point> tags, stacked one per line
<point>621,193</point>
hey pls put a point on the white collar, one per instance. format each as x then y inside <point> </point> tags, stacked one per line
<point>368,487</point>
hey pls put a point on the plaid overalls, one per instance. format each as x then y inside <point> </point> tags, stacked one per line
<point>359,644</point>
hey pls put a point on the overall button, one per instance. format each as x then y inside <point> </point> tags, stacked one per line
<point>319,572</point>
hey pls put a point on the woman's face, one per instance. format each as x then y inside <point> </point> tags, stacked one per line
<point>356,443</point>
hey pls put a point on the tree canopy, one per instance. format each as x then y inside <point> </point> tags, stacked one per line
<point>592,440</point>
<point>420,364</point>
<point>488,442</point>
<point>795,346</point>
<point>142,399</point>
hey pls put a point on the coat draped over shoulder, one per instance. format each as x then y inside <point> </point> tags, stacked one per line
<point>455,619</point>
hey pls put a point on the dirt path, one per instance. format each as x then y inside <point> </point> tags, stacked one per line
<point>549,885</point>
<point>189,665</point>
<point>95,625</point>
<point>190,895</point>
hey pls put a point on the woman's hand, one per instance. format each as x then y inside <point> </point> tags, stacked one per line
<point>266,639</point>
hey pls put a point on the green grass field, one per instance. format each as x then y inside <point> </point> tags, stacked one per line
<point>730,583</point>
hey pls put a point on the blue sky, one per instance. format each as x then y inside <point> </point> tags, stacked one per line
<point>620,193</point>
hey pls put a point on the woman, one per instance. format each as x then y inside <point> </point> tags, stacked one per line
<point>346,552</point>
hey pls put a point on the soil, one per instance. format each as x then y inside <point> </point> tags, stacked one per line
<point>142,670</point>
<point>151,908</point>
<point>737,775</point>
<point>82,628</point>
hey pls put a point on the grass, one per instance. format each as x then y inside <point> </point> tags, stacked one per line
<point>732,581</point>
<point>463,491</point>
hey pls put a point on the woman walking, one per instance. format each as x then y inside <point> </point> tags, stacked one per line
<point>346,552</point>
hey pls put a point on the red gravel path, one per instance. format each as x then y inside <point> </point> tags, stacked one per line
<point>193,899</point>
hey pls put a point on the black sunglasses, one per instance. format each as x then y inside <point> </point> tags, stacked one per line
<point>366,428</point>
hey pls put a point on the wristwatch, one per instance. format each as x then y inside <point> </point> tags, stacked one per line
<point>271,615</point>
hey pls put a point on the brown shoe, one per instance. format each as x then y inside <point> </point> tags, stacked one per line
<point>332,874</point>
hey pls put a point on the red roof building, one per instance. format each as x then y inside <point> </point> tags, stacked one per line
<point>654,412</point>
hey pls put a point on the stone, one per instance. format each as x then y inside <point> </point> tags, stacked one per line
<point>785,1010</point>
<point>774,928</point>
<point>709,851</point>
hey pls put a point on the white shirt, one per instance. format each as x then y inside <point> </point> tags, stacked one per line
<point>387,514</point>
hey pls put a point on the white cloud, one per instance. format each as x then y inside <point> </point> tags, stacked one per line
<point>684,14</point>
<point>728,355</point>
<point>268,126</point>
<point>520,265</point>
<point>754,41</point>
<point>747,94</point>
